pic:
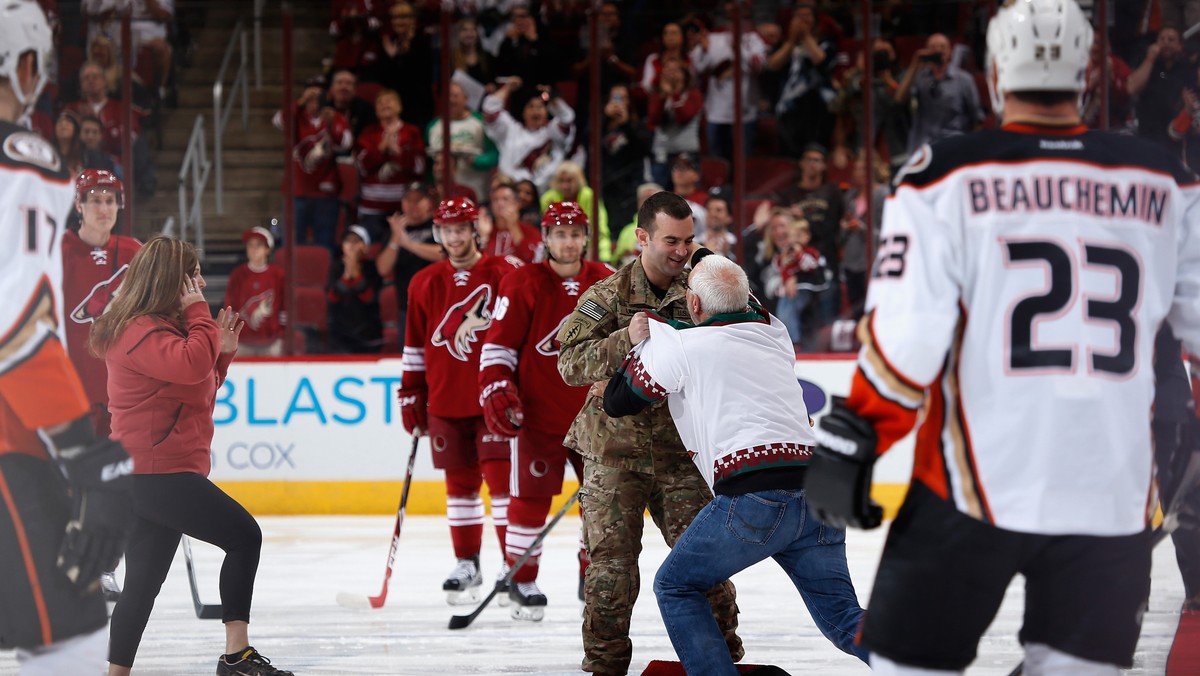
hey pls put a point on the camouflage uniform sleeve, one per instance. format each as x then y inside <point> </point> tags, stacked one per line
<point>592,342</point>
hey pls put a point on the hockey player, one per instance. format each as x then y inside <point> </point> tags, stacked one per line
<point>53,542</point>
<point>519,372</point>
<point>94,265</point>
<point>1020,278</point>
<point>450,306</point>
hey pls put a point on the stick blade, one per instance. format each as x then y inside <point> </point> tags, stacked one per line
<point>209,612</point>
<point>358,601</point>
<point>461,621</point>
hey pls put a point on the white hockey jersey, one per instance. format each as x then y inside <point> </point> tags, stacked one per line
<point>36,194</point>
<point>732,393</point>
<point>1021,276</point>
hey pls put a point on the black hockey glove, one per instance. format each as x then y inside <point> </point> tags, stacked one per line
<point>838,483</point>
<point>99,472</point>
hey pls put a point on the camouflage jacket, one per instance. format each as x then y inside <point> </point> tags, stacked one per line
<point>594,341</point>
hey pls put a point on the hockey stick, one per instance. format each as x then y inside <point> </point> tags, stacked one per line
<point>358,600</point>
<point>1188,483</point>
<point>464,621</point>
<point>204,611</point>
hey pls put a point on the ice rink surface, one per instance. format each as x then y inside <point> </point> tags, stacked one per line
<point>306,561</point>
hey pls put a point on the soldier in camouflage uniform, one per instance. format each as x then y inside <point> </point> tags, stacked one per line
<point>635,463</point>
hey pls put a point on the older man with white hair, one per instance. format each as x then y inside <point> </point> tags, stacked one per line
<point>729,383</point>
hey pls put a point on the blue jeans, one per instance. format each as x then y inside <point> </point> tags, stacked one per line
<point>734,533</point>
<point>790,311</point>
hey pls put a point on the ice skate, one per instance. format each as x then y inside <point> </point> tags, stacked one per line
<point>529,601</point>
<point>464,582</point>
<point>502,585</point>
<point>248,663</point>
<point>109,586</point>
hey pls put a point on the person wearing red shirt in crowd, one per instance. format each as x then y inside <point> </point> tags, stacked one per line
<point>356,27</point>
<point>94,265</point>
<point>390,155</point>
<point>166,358</point>
<point>111,112</point>
<point>320,133</point>
<point>450,306</point>
<point>524,397</point>
<point>502,230</point>
<point>257,289</point>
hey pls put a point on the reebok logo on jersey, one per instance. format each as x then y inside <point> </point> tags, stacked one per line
<point>1073,144</point>
<point>593,309</point>
<point>463,323</point>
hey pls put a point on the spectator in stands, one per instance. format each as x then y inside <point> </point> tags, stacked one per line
<point>820,203</point>
<point>947,98</point>
<point>150,25</point>
<point>624,145</point>
<point>533,148</point>
<point>616,57</point>
<point>407,64</point>
<point>469,56</point>
<point>257,292</point>
<point>77,156</point>
<point>474,152</point>
<point>1157,85</point>
<point>529,201</point>
<point>410,246</point>
<point>356,27</point>
<point>390,155</point>
<point>524,55</point>
<point>319,134</point>
<point>852,240</point>
<point>674,118</point>
<point>803,107</point>
<point>445,190</point>
<point>91,135</point>
<point>797,277</point>
<point>342,96</point>
<point>93,88</point>
<point>712,59</point>
<point>627,247</point>
<point>1120,103</point>
<point>569,185</point>
<point>718,220</point>
<point>502,230</point>
<point>890,120</point>
<point>673,48</point>
<point>685,182</point>
<point>355,324</point>
<point>776,227</point>
<point>754,261</point>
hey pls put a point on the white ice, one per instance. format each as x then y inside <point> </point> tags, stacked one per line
<point>306,561</point>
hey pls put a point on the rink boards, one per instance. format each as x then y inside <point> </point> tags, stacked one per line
<point>325,437</point>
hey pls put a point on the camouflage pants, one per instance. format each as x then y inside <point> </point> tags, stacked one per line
<point>613,502</point>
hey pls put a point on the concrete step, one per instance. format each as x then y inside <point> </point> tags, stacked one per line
<point>172,159</point>
<point>261,136</point>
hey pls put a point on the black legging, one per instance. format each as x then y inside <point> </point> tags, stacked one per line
<point>165,506</point>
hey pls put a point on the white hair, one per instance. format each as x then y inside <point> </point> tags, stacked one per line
<point>720,284</point>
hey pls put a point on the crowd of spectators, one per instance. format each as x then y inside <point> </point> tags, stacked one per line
<point>370,130</point>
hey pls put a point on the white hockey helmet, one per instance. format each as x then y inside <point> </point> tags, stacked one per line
<point>1037,45</point>
<point>23,29</point>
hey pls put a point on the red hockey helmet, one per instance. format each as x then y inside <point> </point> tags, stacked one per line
<point>453,211</point>
<point>564,213</point>
<point>93,180</point>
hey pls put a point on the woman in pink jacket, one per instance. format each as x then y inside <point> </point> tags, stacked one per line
<point>166,357</point>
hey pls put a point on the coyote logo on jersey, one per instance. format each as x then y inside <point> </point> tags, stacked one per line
<point>548,346</point>
<point>256,310</point>
<point>463,323</point>
<point>99,298</point>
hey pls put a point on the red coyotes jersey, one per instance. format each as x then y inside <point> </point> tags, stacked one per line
<point>314,167</point>
<point>92,277</point>
<point>449,311</point>
<point>534,302</point>
<point>258,297</point>
<point>529,249</point>
<point>385,175</point>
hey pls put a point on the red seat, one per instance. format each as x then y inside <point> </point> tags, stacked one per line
<point>714,172</point>
<point>389,312</point>
<point>311,315</point>
<point>767,176</point>
<point>312,266</point>
<point>367,91</point>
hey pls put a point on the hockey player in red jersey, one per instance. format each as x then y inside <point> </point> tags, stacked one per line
<point>519,373</point>
<point>450,306</point>
<point>54,542</point>
<point>94,265</point>
<point>1021,276</point>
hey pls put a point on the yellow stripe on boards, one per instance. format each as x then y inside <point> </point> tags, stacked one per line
<point>272,498</point>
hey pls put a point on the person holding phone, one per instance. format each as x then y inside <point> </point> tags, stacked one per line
<point>947,99</point>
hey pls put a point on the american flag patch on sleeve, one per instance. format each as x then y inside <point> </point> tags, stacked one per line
<point>593,309</point>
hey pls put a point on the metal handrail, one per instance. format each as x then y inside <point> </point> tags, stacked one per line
<point>193,173</point>
<point>222,107</point>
